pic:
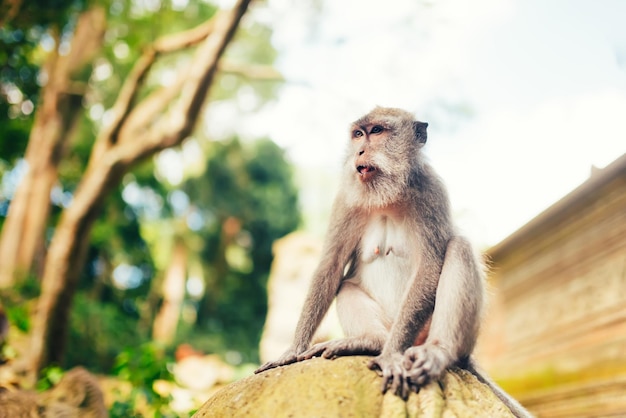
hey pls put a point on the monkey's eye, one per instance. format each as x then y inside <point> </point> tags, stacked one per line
<point>377,129</point>
<point>357,134</point>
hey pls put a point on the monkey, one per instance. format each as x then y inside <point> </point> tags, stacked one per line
<point>76,395</point>
<point>409,289</point>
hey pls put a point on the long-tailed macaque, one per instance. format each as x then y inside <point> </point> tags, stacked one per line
<point>409,289</point>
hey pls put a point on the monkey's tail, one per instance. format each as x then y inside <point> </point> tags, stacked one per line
<point>516,408</point>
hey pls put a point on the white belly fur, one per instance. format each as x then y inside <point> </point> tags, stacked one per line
<point>389,260</point>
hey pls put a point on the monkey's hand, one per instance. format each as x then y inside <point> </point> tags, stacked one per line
<point>290,356</point>
<point>389,367</point>
<point>424,363</point>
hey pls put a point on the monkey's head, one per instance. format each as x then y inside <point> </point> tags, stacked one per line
<point>384,150</point>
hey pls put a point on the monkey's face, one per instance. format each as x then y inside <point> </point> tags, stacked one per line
<point>367,141</point>
<point>384,149</point>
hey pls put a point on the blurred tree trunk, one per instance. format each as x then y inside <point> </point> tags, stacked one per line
<point>61,98</point>
<point>161,120</point>
<point>173,295</point>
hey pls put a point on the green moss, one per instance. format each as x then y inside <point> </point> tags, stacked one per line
<point>549,378</point>
<point>345,387</point>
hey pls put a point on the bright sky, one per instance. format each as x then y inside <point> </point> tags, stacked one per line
<point>522,96</point>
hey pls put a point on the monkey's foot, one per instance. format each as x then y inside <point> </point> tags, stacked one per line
<point>425,362</point>
<point>288,357</point>
<point>344,347</point>
<point>389,367</point>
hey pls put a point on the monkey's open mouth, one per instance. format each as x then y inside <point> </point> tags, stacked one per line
<point>365,171</point>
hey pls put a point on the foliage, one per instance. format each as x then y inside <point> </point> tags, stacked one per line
<point>142,367</point>
<point>249,187</point>
<point>98,332</point>
<point>17,302</point>
<point>18,316</point>
<point>247,182</point>
<point>50,376</point>
<point>20,60</point>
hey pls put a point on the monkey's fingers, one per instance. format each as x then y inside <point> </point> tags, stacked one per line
<point>414,357</point>
<point>387,381</point>
<point>381,371</point>
<point>287,358</point>
<point>406,389</point>
<point>413,386</point>
<point>315,351</point>
<point>418,374</point>
<point>373,365</point>
<point>399,385</point>
<point>267,366</point>
<point>390,369</point>
<point>264,367</point>
<point>395,382</point>
<point>417,378</point>
<point>310,353</point>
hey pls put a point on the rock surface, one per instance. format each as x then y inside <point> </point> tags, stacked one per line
<point>345,387</point>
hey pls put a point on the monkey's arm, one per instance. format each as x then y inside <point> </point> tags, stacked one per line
<point>339,247</point>
<point>455,323</point>
<point>456,317</point>
<point>410,325</point>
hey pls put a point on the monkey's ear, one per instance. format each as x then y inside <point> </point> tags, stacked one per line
<point>420,131</point>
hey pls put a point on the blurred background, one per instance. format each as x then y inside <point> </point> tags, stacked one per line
<point>149,160</point>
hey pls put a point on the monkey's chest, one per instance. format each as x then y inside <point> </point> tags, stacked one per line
<point>389,260</point>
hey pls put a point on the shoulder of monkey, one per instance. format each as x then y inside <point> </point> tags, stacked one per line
<point>430,192</point>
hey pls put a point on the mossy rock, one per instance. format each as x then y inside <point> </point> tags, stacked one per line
<point>345,387</point>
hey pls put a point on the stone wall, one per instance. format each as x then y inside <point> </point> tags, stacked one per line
<point>557,318</point>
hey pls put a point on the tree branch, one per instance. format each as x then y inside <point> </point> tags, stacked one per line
<point>147,111</point>
<point>201,75</point>
<point>182,40</point>
<point>144,113</point>
<point>251,71</point>
<point>87,39</point>
<point>107,165</point>
<point>122,108</point>
<point>173,127</point>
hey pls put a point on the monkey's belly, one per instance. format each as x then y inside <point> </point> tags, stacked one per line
<point>387,262</point>
<point>385,279</point>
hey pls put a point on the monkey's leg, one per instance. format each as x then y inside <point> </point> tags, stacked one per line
<point>362,320</point>
<point>455,320</point>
